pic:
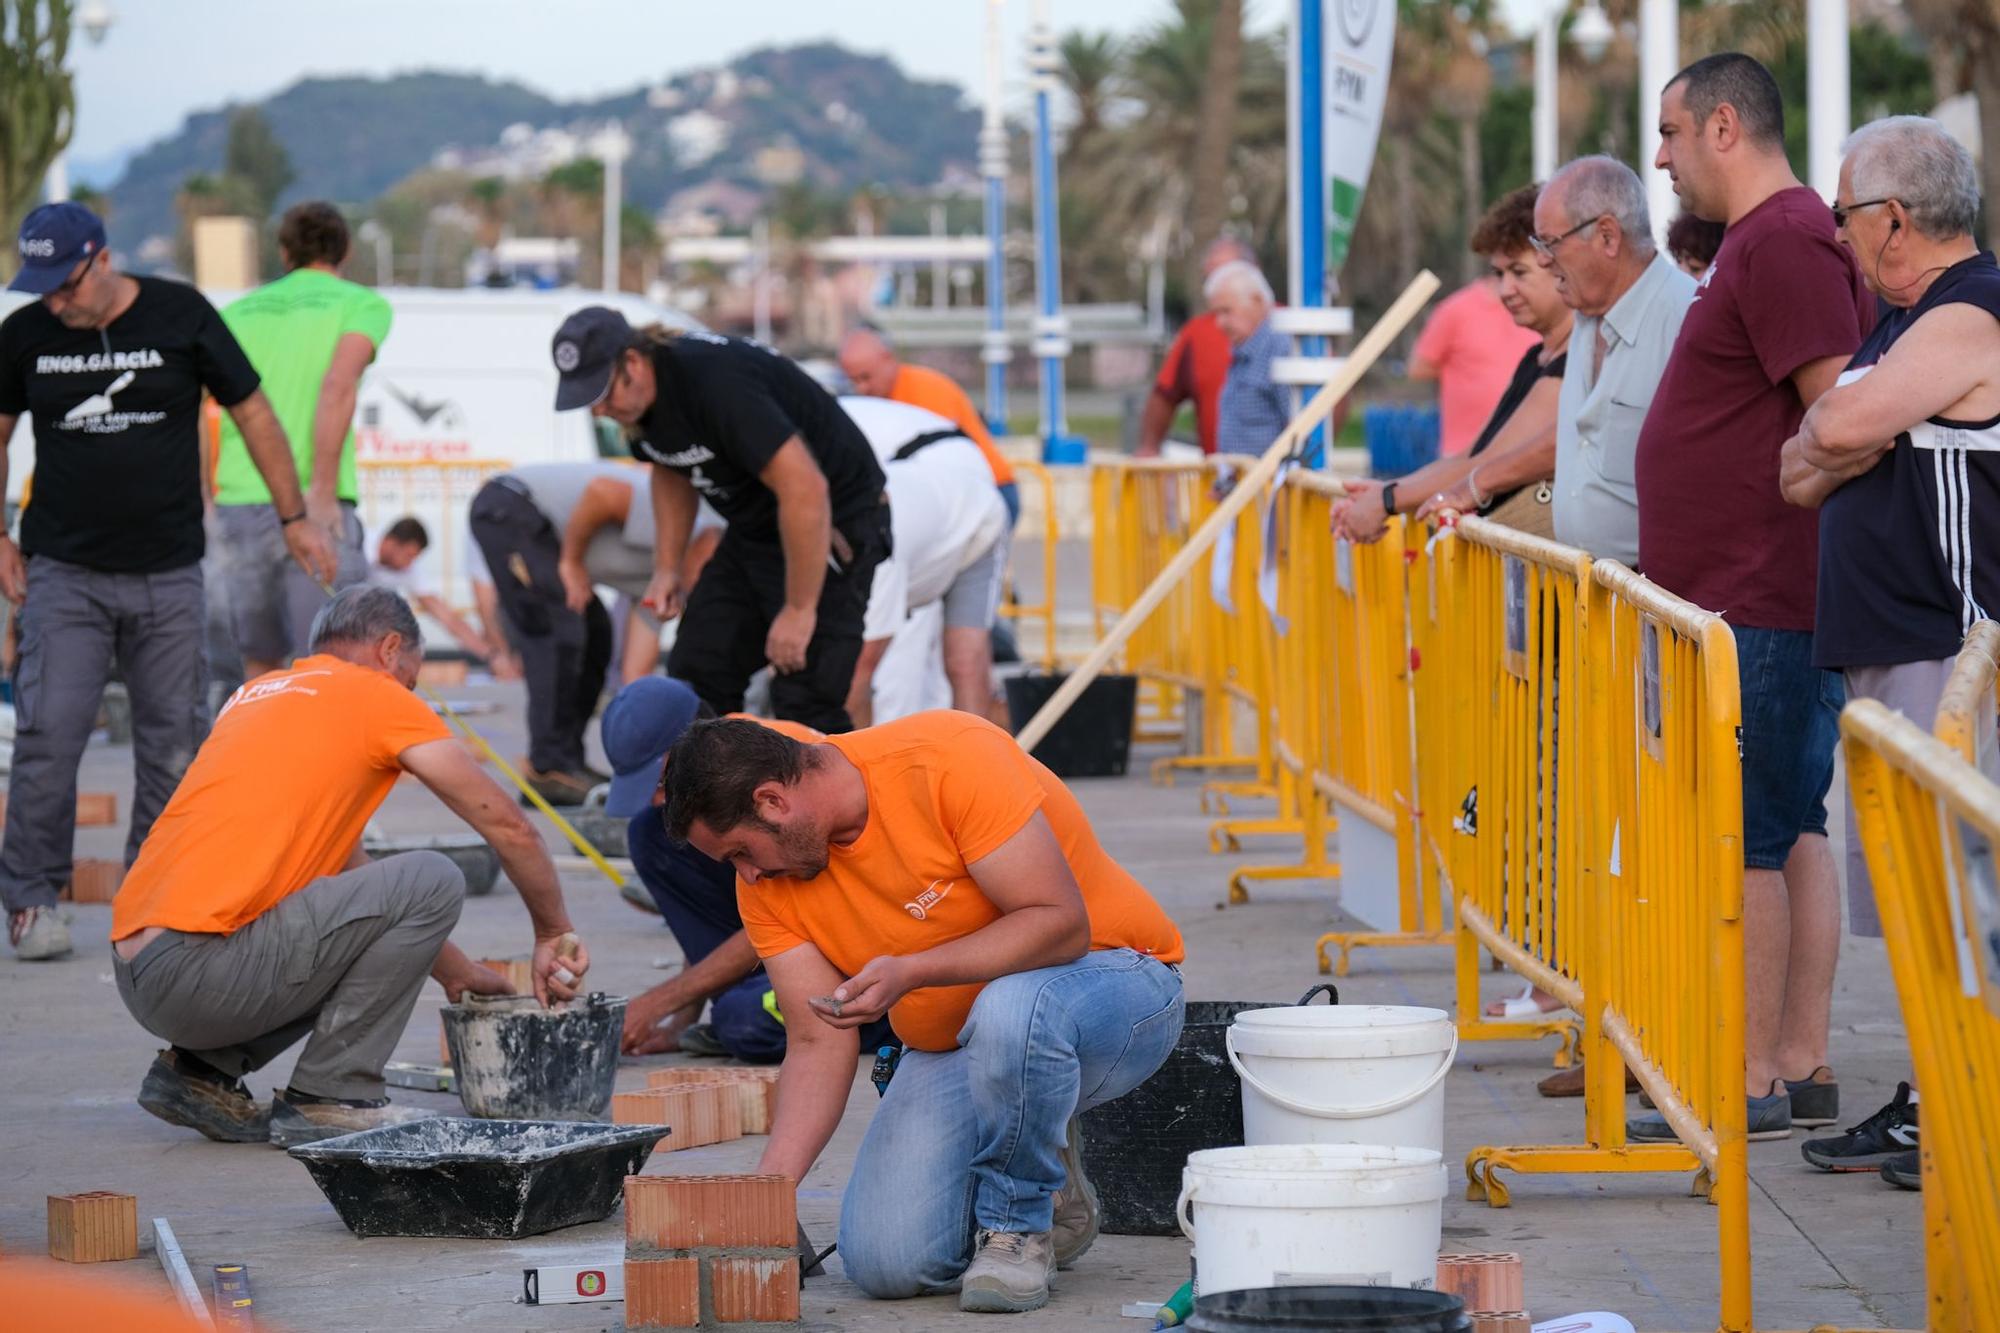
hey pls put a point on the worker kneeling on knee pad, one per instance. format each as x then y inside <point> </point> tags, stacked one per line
<point>252,918</point>
<point>696,895</point>
<point>931,871</point>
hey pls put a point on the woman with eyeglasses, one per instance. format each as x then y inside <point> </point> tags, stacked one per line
<point>1514,456</point>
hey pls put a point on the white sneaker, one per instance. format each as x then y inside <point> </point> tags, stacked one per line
<point>1009,1273</point>
<point>39,935</point>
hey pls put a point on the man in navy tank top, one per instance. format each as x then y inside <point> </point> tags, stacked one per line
<point>1902,459</point>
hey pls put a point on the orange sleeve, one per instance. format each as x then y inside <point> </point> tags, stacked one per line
<point>401,720</point>
<point>768,935</point>
<point>987,792</point>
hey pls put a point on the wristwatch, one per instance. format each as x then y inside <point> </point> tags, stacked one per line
<point>1389,498</point>
<point>285,522</point>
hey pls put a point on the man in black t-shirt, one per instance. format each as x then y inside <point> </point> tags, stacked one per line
<point>112,369</point>
<point>736,424</point>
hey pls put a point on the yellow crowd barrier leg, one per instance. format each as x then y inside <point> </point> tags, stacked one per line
<point>1483,1186</point>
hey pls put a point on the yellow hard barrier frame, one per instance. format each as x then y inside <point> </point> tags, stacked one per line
<point>404,476</point>
<point>1585,683</point>
<point>1044,610</point>
<point>1924,814</point>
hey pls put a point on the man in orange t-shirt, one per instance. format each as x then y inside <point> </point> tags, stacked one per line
<point>877,372</point>
<point>252,917</point>
<point>930,870</point>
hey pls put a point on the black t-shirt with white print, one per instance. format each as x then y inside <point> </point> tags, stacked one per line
<point>117,420</point>
<point>723,408</point>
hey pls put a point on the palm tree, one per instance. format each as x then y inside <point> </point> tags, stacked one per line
<point>1216,130</point>
<point>1969,32</point>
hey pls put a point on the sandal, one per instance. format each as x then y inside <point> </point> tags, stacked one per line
<point>1516,1007</point>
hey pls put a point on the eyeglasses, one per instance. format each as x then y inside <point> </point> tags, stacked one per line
<point>1841,211</point>
<point>68,289</point>
<point>1545,246</point>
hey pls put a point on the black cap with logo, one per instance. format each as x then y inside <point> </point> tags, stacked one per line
<point>586,351</point>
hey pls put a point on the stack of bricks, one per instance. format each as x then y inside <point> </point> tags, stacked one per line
<point>696,1114</point>
<point>93,1228</point>
<point>710,1251</point>
<point>756,1086</point>
<point>1492,1287</point>
<point>93,881</point>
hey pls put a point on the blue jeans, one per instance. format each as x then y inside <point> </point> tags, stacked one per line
<point>972,1138</point>
<point>1791,724</point>
<point>697,896</point>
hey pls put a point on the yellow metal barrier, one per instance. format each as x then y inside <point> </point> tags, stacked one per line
<point>1044,610</point>
<point>1929,821</point>
<point>1595,846</point>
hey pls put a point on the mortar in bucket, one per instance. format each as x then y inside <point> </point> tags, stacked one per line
<point>516,1060</point>
<point>1313,1214</point>
<point>1335,1073</point>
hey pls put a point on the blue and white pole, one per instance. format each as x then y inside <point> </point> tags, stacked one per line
<point>993,165</point>
<point>1306,211</point>
<point>1051,325</point>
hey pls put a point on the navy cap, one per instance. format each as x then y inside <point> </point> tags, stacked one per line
<point>55,238</point>
<point>640,725</point>
<point>586,350</point>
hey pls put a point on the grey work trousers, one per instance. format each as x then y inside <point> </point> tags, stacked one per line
<point>75,624</point>
<point>340,962</point>
<point>271,600</point>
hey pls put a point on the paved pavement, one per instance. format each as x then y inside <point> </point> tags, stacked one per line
<point>1841,1250</point>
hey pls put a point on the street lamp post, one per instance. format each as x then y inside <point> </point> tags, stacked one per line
<point>1548,37</point>
<point>993,166</point>
<point>1659,60</point>
<point>95,19</point>
<point>1051,325</point>
<point>1828,110</point>
<point>612,145</point>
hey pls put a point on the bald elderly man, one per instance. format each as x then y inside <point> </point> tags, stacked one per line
<point>867,359</point>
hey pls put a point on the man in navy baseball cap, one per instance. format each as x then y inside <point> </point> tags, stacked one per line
<point>638,729</point>
<point>586,350</point>
<point>55,240</point>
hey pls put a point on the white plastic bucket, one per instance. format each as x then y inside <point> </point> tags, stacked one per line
<point>1313,1214</point>
<point>1344,1073</point>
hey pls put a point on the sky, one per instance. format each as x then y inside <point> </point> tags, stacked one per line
<point>165,58</point>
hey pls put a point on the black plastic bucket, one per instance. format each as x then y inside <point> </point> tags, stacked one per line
<point>1329,1310</point>
<point>515,1060</point>
<point>1135,1147</point>
<point>1094,738</point>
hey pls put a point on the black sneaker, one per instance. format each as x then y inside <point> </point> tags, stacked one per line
<point>1905,1170</point>
<point>1890,1132</point>
<point>182,1090</point>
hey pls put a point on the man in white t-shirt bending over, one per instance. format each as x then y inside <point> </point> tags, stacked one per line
<point>399,560</point>
<point>951,534</point>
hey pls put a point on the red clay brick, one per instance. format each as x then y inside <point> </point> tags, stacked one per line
<point>690,1212</point>
<point>1499,1321</point>
<point>93,1228</point>
<point>93,881</point>
<point>749,1086</point>
<point>747,1291</point>
<point>520,972</point>
<point>96,808</point>
<point>698,1114</point>
<point>662,1293</point>
<point>1484,1281</point>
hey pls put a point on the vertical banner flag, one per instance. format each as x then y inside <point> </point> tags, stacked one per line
<point>1359,45</point>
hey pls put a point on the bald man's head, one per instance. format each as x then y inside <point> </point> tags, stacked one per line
<point>869,362</point>
<point>1224,250</point>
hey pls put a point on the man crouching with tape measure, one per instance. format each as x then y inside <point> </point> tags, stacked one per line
<point>930,870</point>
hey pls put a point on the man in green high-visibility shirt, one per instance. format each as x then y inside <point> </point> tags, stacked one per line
<point>310,334</point>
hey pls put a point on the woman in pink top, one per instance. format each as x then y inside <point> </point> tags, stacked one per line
<point>1470,347</point>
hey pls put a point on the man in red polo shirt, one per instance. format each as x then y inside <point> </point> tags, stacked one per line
<point>1196,365</point>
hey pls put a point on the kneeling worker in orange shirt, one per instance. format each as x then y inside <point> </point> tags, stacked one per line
<point>252,917</point>
<point>931,870</point>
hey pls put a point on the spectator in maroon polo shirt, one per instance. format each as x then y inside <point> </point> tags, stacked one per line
<point>1775,320</point>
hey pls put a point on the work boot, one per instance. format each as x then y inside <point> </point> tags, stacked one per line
<point>298,1118</point>
<point>1075,1227</point>
<point>39,935</point>
<point>183,1090</point>
<point>700,1039</point>
<point>1009,1273</point>
<point>557,786</point>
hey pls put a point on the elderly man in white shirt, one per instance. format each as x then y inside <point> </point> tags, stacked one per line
<point>1593,233</point>
<point>951,552</point>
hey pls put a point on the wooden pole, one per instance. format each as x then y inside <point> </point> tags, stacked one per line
<point>1248,485</point>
